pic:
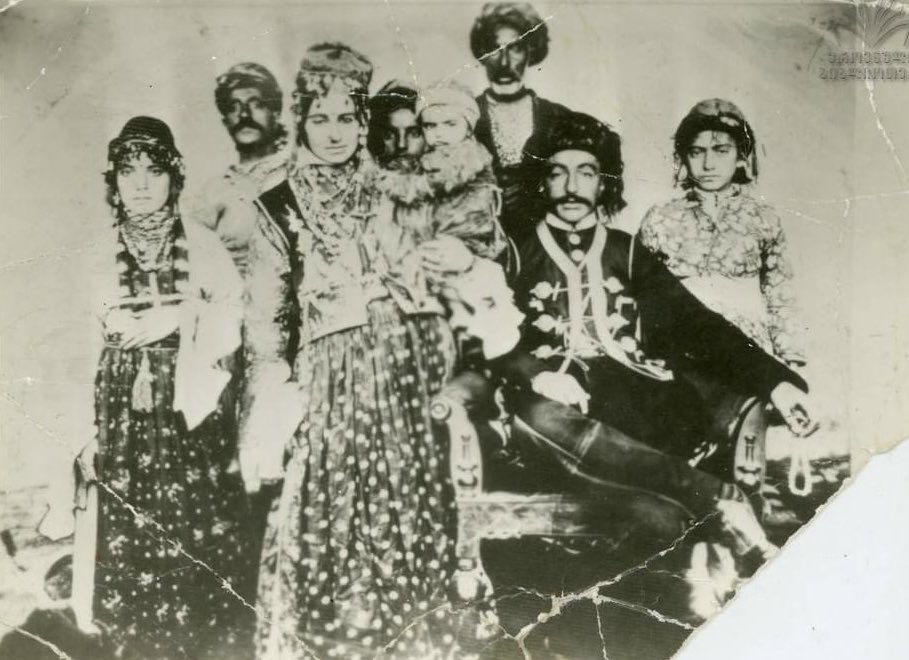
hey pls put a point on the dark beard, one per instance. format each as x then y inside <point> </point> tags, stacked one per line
<point>404,163</point>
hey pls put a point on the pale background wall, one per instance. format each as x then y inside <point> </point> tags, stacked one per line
<point>73,73</point>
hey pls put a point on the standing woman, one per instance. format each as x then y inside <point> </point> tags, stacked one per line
<point>357,558</point>
<point>168,542</point>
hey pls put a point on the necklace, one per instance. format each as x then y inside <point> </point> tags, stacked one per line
<point>332,201</point>
<point>148,238</point>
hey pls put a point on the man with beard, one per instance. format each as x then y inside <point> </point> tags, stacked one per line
<point>249,100</point>
<point>598,386</point>
<point>608,328</point>
<point>507,38</point>
<point>394,138</point>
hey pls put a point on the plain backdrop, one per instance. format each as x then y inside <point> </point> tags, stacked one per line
<point>833,157</point>
<point>75,72</point>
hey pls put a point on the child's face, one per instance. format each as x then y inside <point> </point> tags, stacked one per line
<point>143,185</point>
<point>712,160</point>
<point>443,125</point>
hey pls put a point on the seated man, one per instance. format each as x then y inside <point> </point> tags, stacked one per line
<point>611,335</point>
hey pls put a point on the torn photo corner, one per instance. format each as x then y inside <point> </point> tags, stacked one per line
<point>509,330</point>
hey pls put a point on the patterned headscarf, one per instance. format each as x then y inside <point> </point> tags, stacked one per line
<point>584,133</point>
<point>522,17</point>
<point>248,74</point>
<point>722,116</point>
<point>152,137</point>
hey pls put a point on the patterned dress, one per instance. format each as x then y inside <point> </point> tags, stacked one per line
<point>358,555</point>
<point>169,546</point>
<point>734,259</point>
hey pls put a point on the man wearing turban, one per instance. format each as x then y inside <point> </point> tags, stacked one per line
<point>249,100</point>
<point>507,38</point>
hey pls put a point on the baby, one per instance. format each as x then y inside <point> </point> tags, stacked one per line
<point>454,195</point>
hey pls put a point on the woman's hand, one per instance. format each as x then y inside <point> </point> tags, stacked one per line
<point>794,405</point>
<point>446,254</point>
<point>150,325</point>
<point>257,469</point>
<point>562,388</point>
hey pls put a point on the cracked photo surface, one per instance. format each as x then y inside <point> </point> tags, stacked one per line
<point>436,329</point>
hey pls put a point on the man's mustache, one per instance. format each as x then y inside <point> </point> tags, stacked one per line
<point>572,199</point>
<point>247,123</point>
<point>504,73</point>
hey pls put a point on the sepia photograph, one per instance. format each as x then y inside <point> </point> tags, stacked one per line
<point>436,330</point>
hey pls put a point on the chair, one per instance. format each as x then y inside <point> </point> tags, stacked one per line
<point>508,514</point>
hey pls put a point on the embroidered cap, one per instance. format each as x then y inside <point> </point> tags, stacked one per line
<point>151,136</point>
<point>522,17</point>
<point>326,63</point>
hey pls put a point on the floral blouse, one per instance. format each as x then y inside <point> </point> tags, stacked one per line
<point>730,251</point>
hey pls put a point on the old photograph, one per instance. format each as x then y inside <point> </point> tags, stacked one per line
<point>434,329</point>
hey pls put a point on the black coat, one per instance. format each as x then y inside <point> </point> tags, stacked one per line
<point>637,326</point>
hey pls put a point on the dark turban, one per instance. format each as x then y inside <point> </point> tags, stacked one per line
<point>152,137</point>
<point>521,17</point>
<point>247,74</point>
<point>721,116</point>
<point>577,131</point>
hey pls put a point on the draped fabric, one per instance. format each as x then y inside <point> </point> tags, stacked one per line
<point>170,579</point>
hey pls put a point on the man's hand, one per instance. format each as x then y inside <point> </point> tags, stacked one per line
<point>446,254</point>
<point>794,406</point>
<point>150,326</point>
<point>86,461</point>
<point>562,388</point>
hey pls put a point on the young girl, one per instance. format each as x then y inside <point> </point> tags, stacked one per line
<point>727,248</point>
<point>169,550</point>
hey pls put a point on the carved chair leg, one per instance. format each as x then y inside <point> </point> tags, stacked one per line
<point>750,436</point>
<point>471,583</point>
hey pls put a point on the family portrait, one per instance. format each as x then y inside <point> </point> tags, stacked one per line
<point>433,329</point>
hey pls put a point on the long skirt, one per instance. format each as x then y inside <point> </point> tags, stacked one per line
<point>358,553</point>
<point>171,553</point>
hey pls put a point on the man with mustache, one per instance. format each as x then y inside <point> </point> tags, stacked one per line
<point>610,334</point>
<point>249,100</point>
<point>507,38</point>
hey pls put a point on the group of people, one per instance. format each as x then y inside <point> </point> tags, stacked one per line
<point>286,343</point>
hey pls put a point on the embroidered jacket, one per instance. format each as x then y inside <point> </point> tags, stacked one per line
<point>313,274</point>
<point>734,260</point>
<point>590,292</point>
